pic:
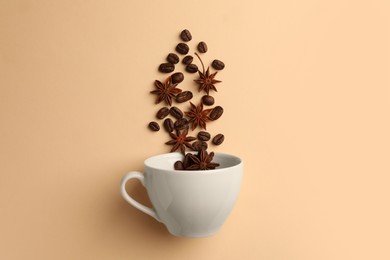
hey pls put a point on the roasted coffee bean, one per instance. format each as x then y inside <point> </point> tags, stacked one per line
<point>218,139</point>
<point>185,35</point>
<point>202,47</point>
<point>218,65</point>
<point>182,48</point>
<point>184,96</point>
<point>191,68</point>
<point>203,136</point>
<point>154,126</point>
<point>177,77</point>
<point>162,113</point>
<point>208,100</point>
<point>173,58</point>
<point>178,165</point>
<point>199,145</point>
<point>166,67</point>
<point>216,113</point>
<point>181,124</point>
<point>187,60</point>
<point>168,125</point>
<point>176,112</point>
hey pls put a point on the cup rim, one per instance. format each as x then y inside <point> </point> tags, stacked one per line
<point>193,172</point>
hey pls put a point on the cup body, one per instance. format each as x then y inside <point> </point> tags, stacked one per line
<point>193,203</point>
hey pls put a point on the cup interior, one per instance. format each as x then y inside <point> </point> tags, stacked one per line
<point>166,161</point>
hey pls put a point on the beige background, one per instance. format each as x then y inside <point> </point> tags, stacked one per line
<point>307,99</point>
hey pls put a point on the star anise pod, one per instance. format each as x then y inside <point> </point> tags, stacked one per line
<point>165,91</point>
<point>198,116</point>
<point>203,161</point>
<point>180,140</point>
<point>206,81</point>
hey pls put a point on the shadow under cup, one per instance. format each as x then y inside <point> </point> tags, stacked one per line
<point>191,203</point>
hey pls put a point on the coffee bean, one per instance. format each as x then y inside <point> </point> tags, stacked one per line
<point>166,67</point>
<point>191,68</point>
<point>154,126</point>
<point>185,35</point>
<point>187,60</point>
<point>218,139</point>
<point>176,112</point>
<point>199,145</point>
<point>202,47</point>
<point>208,100</point>
<point>216,113</point>
<point>182,48</point>
<point>181,124</point>
<point>162,113</point>
<point>203,136</point>
<point>168,125</point>
<point>172,58</point>
<point>184,96</point>
<point>178,165</point>
<point>218,65</point>
<point>177,77</point>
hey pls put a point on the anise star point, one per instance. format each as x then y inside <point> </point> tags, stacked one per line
<point>206,81</point>
<point>180,140</point>
<point>165,91</point>
<point>198,116</point>
<point>202,161</point>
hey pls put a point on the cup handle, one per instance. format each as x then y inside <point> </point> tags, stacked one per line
<point>130,200</point>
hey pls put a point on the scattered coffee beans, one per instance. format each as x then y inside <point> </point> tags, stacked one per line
<point>177,77</point>
<point>162,113</point>
<point>168,125</point>
<point>172,58</point>
<point>191,68</point>
<point>218,139</point>
<point>154,126</point>
<point>203,136</point>
<point>181,123</point>
<point>176,112</point>
<point>208,100</point>
<point>166,67</point>
<point>218,65</point>
<point>178,166</point>
<point>216,113</point>
<point>182,48</point>
<point>202,159</point>
<point>202,47</point>
<point>187,60</point>
<point>185,35</point>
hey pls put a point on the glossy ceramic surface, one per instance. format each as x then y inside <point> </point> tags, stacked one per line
<point>189,203</point>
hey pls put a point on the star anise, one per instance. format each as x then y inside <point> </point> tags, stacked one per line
<point>165,91</point>
<point>180,140</point>
<point>198,116</point>
<point>202,161</point>
<point>206,81</point>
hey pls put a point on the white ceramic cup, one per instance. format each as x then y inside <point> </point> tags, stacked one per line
<point>188,203</point>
